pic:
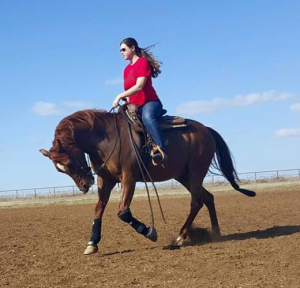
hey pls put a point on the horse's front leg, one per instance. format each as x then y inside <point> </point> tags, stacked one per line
<point>104,190</point>
<point>125,214</point>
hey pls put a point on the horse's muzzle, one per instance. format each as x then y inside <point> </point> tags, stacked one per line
<point>86,185</point>
<point>85,188</point>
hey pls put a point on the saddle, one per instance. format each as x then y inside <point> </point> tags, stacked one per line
<point>149,148</point>
<point>165,122</point>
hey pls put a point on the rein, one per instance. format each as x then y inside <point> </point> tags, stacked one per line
<point>112,150</point>
<point>88,157</point>
<point>139,161</point>
<point>141,167</point>
<point>116,140</point>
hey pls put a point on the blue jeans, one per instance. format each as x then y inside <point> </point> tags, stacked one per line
<point>151,111</point>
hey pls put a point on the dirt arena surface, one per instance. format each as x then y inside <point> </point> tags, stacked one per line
<point>42,246</point>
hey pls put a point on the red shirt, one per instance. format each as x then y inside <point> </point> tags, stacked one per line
<point>141,68</point>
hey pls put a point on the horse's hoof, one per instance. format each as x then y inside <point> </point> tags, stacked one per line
<point>91,250</point>
<point>152,235</point>
<point>179,241</point>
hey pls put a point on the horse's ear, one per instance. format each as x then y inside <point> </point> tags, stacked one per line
<point>45,153</point>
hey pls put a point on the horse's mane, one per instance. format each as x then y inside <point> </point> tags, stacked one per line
<point>64,135</point>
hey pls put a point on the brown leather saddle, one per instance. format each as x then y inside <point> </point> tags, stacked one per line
<point>165,122</point>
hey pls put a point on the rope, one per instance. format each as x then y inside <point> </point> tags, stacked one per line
<point>141,163</point>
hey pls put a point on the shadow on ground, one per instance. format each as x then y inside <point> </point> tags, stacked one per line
<point>275,231</point>
<point>200,236</point>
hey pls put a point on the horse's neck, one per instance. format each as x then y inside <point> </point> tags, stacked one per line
<point>101,142</point>
<point>93,139</point>
<point>84,139</point>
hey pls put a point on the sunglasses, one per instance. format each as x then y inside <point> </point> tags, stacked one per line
<point>122,50</point>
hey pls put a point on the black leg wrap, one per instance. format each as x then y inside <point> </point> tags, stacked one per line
<point>96,232</point>
<point>138,226</point>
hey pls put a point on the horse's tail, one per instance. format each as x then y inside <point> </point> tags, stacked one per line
<point>224,163</point>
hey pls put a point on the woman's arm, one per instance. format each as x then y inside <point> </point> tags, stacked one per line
<point>140,83</point>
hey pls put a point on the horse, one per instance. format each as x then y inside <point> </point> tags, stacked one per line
<point>104,137</point>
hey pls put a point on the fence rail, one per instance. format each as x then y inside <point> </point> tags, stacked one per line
<point>259,176</point>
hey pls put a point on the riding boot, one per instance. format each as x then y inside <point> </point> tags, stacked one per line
<point>158,156</point>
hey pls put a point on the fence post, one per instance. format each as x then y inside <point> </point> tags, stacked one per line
<point>73,191</point>
<point>54,191</point>
<point>16,194</point>
<point>277,175</point>
<point>255,176</point>
<point>34,193</point>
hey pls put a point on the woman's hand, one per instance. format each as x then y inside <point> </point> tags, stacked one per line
<point>116,102</point>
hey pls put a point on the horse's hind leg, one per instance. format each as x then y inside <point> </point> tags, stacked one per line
<point>199,196</point>
<point>209,202</point>
<point>196,205</point>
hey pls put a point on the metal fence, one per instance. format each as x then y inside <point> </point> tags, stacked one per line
<point>261,176</point>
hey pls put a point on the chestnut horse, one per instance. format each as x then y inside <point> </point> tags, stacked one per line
<point>104,137</point>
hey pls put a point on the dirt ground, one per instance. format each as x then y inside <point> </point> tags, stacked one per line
<point>42,246</point>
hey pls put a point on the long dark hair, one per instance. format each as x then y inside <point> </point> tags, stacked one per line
<point>145,53</point>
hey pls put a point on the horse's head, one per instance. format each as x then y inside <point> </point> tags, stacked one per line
<point>73,164</point>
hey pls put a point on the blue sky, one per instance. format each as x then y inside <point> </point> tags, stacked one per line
<point>232,65</point>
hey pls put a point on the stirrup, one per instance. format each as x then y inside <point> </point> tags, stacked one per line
<point>158,156</point>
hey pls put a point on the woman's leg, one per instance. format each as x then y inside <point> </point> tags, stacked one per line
<point>151,111</point>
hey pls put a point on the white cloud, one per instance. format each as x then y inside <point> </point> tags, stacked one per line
<point>283,133</point>
<point>45,108</point>
<point>200,107</point>
<point>295,107</point>
<point>113,82</point>
<point>77,104</point>
<point>253,98</point>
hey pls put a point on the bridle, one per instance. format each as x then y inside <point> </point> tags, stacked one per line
<point>85,169</point>
<point>103,165</point>
<point>88,169</point>
<point>140,162</point>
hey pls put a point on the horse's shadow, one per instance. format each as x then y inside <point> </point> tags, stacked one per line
<point>125,251</point>
<point>201,236</point>
<point>118,252</point>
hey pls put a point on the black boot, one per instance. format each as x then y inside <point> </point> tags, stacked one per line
<point>158,156</point>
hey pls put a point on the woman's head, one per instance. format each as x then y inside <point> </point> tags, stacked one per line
<point>129,47</point>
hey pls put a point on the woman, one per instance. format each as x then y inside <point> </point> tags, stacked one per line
<point>139,90</point>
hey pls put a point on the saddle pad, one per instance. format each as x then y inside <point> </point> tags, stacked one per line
<point>171,120</point>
